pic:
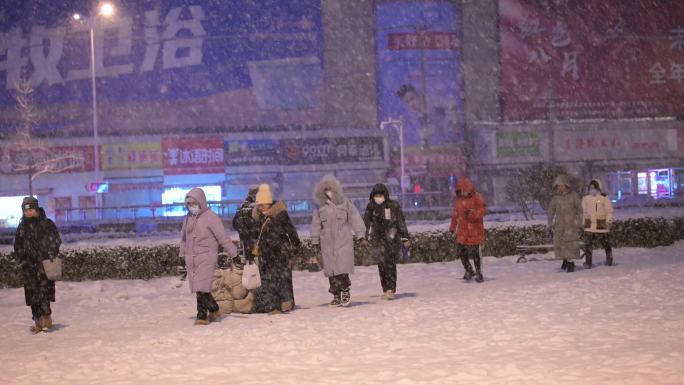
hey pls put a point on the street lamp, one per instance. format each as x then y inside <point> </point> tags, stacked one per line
<point>106,10</point>
<point>399,125</point>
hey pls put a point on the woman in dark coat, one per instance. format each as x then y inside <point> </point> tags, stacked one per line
<point>245,224</point>
<point>276,242</point>
<point>37,239</point>
<point>386,230</point>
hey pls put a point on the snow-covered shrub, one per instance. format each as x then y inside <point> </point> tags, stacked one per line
<point>145,262</point>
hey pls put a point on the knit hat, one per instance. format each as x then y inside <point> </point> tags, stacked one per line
<point>29,203</point>
<point>264,196</point>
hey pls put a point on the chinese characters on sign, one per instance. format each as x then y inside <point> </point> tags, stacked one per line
<point>131,156</point>
<point>160,35</point>
<point>192,155</point>
<point>591,59</point>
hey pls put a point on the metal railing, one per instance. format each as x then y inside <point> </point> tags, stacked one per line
<point>426,201</point>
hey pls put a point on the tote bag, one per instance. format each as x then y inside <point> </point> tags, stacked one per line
<point>251,279</point>
<point>53,269</point>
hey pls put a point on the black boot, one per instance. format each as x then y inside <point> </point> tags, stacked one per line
<point>564,265</point>
<point>335,301</point>
<point>571,267</point>
<point>609,257</point>
<point>345,297</point>
<point>587,263</point>
<point>478,269</point>
<point>469,274</point>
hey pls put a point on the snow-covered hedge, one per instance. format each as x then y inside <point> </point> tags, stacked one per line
<point>145,262</point>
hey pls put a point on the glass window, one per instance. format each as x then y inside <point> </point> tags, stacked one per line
<point>642,181</point>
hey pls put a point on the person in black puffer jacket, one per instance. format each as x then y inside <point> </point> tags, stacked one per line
<point>386,230</point>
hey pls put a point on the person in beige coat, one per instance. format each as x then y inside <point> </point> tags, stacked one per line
<point>564,219</point>
<point>597,217</point>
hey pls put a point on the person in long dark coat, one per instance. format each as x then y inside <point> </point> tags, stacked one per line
<point>386,230</point>
<point>36,240</point>
<point>275,245</point>
<point>565,221</point>
<point>245,225</point>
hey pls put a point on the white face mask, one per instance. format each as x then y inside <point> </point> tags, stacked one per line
<point>593,191</point>
<point>194,210</point>
<point>379,200</point>
<point>329,194</point>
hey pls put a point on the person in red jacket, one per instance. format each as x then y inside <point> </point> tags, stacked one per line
<point>467,223</point>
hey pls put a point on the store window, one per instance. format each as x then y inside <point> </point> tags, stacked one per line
<point>660,184</point>
<point>642,183</point>
<point>176,195</point>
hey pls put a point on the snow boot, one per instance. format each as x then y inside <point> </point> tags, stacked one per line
<point>335,301</point>
<point>571,267</point>
<point>478,270</point>
<point>201,322</point>
<point>345,297</point>
<point>213,316</point>
<point>588,263</point>
<point>388,295</point>
<point>564,265</point>
<point>468,275</point>
<point>609,259</point>
<point>37,328</point>
<point>45,322</point>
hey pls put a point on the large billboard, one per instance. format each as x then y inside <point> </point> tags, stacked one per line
<point>419,83</point>
<point>591,59</point>
<point>166,66</point>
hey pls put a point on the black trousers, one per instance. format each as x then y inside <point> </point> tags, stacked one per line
<point>593,239</point>
<point>466,252</point>
<point>387,255</point>
<point>205,304</point>
<point>338,283</point>
<point>40,310</point>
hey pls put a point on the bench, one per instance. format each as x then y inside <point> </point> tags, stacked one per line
<point>523,250</point>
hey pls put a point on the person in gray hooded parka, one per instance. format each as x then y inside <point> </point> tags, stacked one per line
<point>335,223</point>
<point>201,236</point>
<point>565,220</point>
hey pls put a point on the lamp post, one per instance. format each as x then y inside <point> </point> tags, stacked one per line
<point>399,125</point>
<point>105,10</point>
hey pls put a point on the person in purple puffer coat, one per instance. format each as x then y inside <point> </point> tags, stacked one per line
<point>201,236</point>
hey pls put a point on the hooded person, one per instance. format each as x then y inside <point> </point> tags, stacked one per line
<point>245,225</point>
<point>334,225</point>
<point>276,242</point>
<point>467,223</point>
<point>565,221</point>
<point>386,230</point>
<point>597,214</point>
<point>36,240</point>
<point>201,236</point>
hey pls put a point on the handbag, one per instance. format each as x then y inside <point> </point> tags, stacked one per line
<point>251,279</point>
<point>53,268</point>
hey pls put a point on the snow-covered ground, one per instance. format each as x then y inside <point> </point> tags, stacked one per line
<point>528,323</point>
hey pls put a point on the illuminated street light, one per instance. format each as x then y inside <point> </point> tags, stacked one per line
<point>106,9</point>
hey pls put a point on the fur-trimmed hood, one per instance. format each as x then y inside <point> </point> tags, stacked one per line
<point>329,182</point>
<point>276,208</point>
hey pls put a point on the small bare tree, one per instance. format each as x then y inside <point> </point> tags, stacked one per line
<point>33,156</point>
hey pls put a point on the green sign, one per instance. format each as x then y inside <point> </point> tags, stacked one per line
<point>517,144</point>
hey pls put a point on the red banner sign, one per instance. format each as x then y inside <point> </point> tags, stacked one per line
<point>591,59</point>
<point>56,159</point>
<point>193,154</point>
<point>422,40</point>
